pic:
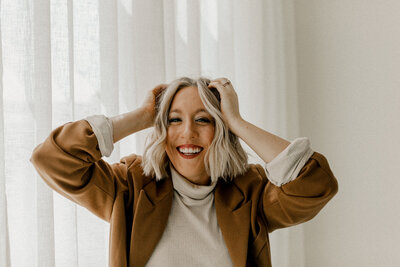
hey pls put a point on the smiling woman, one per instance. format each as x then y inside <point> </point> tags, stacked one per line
<point>189,135</point>
<point>192,199</point>
<point>189,115</point>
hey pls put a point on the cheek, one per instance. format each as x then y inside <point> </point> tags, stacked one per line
<point>210,134</point>
<point>168,147</point>
<point>170,141</point>
<point>170,136</point>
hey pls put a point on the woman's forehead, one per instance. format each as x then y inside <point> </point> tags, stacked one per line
<point>177,110</point>
<point>187,100</point>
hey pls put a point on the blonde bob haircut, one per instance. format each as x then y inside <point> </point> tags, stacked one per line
<point>225,157</point>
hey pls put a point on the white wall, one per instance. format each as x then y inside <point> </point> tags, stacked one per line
<point>348,60</point>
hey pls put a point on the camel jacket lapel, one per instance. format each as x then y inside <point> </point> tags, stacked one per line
<point>153,208</point>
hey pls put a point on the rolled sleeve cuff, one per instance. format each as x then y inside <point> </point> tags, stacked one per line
<point>286,166</point>
<point>103,129</point>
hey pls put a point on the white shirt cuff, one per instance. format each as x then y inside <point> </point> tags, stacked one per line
<point>286,166</point>
<point>103,129</point>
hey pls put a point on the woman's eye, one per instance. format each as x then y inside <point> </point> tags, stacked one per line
<point>173,120</point>
<point>204,120</point>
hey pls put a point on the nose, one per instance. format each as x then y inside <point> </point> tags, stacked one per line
<point>189,130</point>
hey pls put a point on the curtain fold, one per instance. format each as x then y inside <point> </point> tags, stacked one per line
<point>62,60</point>
<point>42,120</point>
<point>4,231</point>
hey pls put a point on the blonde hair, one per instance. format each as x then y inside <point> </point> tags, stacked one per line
<point>225,156</point>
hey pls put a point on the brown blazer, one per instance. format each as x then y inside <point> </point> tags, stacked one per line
<point>137,206</point>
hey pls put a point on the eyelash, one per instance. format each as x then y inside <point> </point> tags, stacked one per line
<point>205,120</point>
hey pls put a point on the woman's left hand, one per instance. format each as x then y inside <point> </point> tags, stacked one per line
<point>229,101</point>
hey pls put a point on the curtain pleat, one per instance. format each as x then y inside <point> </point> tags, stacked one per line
<point>92,233</point>
<point>169,39</point>
<point>4,238</point>
<point>148,53</point>
<point>42,103</point>
<point>126,75</point>
<point>25,212</point>
<point>63,60</point>
<point>62,47</point>
<point>208,16</point>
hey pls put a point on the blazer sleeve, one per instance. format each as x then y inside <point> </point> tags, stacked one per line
<point>302,198</point>
<point>69,161</point>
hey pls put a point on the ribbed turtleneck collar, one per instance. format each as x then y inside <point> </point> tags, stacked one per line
<point>190,193</point>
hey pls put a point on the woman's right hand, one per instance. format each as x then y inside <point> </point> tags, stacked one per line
<point>149,104</point>
<point>138,119</point>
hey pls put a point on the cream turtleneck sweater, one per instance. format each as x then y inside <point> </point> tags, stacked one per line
<point>192,236</point>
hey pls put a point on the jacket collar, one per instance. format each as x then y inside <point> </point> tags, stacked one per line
<point>153,208</point>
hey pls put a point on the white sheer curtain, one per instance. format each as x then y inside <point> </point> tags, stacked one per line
<point>63,60</point>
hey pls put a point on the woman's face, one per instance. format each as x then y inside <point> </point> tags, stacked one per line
<point>189,135</point>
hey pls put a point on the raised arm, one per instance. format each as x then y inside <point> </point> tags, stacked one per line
<point>301,199</point>
<point>298,181</point>
<point>139,119</point>
<point>69,159</point>
<point>265,144</point>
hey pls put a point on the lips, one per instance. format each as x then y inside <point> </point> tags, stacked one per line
<point>189,156</point>
<point>189,146</point>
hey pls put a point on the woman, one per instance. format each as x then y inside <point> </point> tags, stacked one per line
<point>191,199</point>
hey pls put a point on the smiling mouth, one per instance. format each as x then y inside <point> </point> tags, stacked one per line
<point>189,155</point>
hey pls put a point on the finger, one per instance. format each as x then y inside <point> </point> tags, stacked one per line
<point>216,85</point>
<point>159,88</point>
<point>219,84</point>
<point>223,81</point>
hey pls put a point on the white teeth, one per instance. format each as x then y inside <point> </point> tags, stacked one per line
<point>189,150</point>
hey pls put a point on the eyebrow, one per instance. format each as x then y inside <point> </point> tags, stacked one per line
<point>197,111</point>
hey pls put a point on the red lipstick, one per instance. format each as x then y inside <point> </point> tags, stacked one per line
<point>189,156</point>
<point>189,146</point>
